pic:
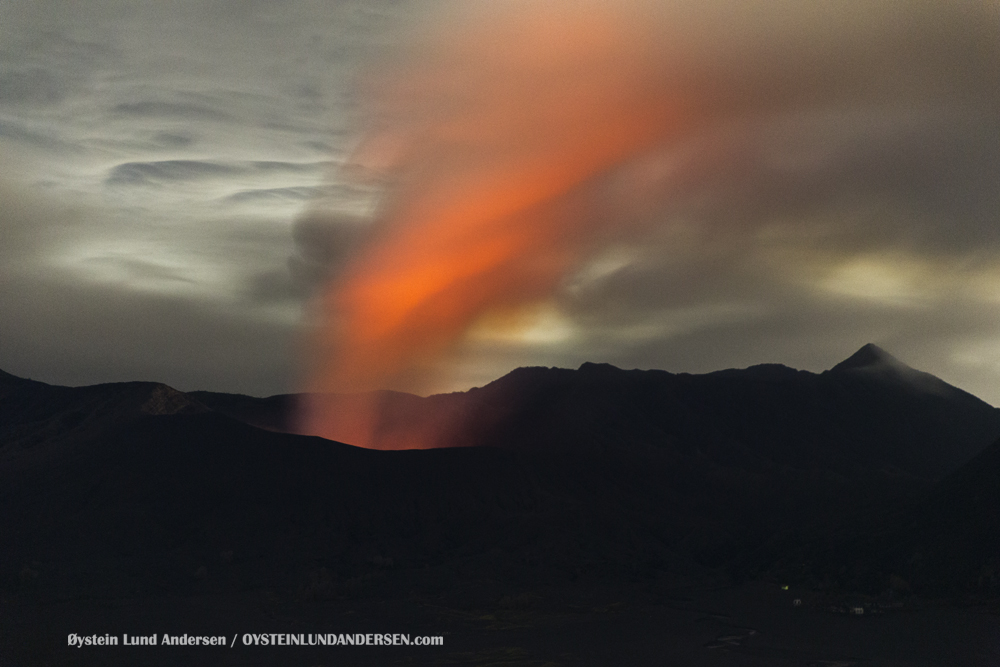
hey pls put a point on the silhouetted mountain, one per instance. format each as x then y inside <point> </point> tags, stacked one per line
<point>7,378</point>
<point>134,488</point>
<point>140,510</point>
<point>870,412</point>
<point>869,356</point>
<point>34,413</point>
<point>943,542</point>
<point>958,529</point>
<point>274,413</point>
<point>949,542</point>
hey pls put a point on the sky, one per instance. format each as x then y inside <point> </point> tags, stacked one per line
<point>191,191</point>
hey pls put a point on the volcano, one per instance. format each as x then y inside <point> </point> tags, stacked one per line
<point>869,412</point>
<point>568,480</point>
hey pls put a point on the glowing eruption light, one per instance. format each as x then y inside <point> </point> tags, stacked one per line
<point>515,138</point>
<point>493,141</point>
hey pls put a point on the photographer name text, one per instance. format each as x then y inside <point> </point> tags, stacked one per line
<point>251,639</point>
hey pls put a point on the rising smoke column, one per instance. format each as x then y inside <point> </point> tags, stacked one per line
<point>491,138</point>
<point>500,126</point>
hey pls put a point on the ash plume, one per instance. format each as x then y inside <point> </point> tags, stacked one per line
<point>514,140</point>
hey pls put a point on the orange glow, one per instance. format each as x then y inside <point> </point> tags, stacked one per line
<point>493,138</point>
<point>515,137</point>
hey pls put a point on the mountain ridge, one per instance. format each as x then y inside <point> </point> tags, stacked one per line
<point>138,487</point>
<point>870,409</point>
<point>854,414</point>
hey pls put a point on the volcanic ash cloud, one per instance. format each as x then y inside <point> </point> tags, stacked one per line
<point>516,139</point>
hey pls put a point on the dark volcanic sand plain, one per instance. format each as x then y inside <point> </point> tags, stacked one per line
<point>593,623</point>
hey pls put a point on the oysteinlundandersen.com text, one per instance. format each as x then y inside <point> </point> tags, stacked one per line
<point>251,639</point>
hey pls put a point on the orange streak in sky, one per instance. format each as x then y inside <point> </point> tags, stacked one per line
<point>516,136</point>
<point>493,140</point>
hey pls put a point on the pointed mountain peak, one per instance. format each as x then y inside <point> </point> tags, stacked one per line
<point>873,362</point>
<point>870,356</point>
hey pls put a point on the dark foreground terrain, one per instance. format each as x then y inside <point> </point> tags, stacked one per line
<point>590,517</point>
<point>593,623</point>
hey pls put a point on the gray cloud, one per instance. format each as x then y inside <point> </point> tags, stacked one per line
<point>173,140</point>
<point>236,106</point>
<point>29,225</point>
<point>19,133</point>
<point>279,286</point>
<point>142,173</point>
<point>58,332</point>
<point>138,270</point>
<point>827,172</point>
<point>46,69</point>
<point>282,194</point>
<point>33,85</point>
<point>837,185</point>
<point>145,173</point>
<point>62,323</point>
<point>748,264</point>
<point>324,243</point>
<point>936,175</point>
<point>151,109</point>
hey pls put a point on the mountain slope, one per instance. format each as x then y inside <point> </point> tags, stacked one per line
<point>36,419</point>
<point>870,412</point>
<point>141,510</point>
<point>943,542</point>
<point>135,488</point>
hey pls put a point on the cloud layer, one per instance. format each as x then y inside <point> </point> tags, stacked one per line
<point>809,177</point>
<point>156,156</point>
<point>767,176</point>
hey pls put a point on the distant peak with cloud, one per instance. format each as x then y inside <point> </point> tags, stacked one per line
<point>870,355</point>
<point>874,362</point>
